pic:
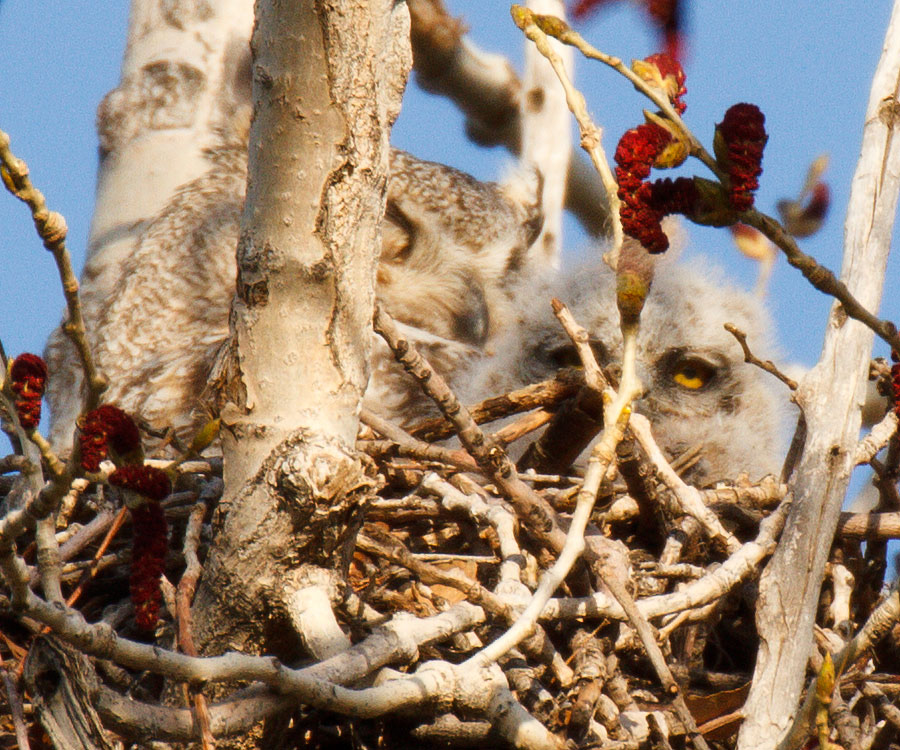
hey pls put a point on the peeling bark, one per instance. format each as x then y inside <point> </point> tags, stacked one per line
<point>326,88</point>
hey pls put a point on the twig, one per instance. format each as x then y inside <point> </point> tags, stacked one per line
<point>415,448</point>
<point>15,709</point>
<point>449,731</point>
<point>497,516</point>
<point>117,524</point>
<point>561,31</point>
<point>69,503</point>
<point>546,395</point>
<point>524,425</point>
<point>651,647</point>
<point>878,437</point>
<point>602,457</point>
<point>184,596</point>
<point>575,423</point>
<point>874,526</point>
<point>842,581</point>
<point>487,91</point>
<point>749,357</point>
<point>532,508</point>
<point>890,711</point>
<point>579,420</point>
<point>308,685</point>
<point>882,619</point>
<point>13,462</point>
<point>737,568</point>
<point>51,227</point>
<point>767,493</point>
<point>57,467</point>
<point>821,277</point>
<point>538,645</point>
<point>689,498</point>
<point>591,134</point>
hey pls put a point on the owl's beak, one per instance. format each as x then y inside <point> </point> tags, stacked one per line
<point>615,372</point>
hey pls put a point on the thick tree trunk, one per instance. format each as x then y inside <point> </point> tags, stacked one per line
<point>830,397</point>
<point>326,86</point>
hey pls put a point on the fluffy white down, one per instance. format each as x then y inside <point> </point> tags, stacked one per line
<point>735,416</point>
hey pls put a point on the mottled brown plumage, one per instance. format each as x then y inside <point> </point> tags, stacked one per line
<point>449,242</point>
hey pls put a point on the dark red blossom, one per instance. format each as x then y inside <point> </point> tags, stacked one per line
<point>666,15</point>
<point>678,196</point>
<point>148,481</point>
<point>672,75</point>
<point>635,154</point>
<point>28,376</point>
<point>106,428</point>
<point>739,143</point>
<point>801,218</point>
<point>148,558</point>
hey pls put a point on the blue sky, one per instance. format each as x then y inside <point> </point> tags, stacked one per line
<point>807,68</point>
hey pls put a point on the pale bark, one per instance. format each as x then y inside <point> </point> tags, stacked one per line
<point>830,396</point>
<point>327,86</point>
<point>183,77</point>
<point>547,131</point>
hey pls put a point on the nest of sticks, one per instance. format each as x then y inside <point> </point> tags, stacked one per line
<point>647,640</point>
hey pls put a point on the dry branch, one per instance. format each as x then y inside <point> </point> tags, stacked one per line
<point>487,91</point>
<point>829,399</point>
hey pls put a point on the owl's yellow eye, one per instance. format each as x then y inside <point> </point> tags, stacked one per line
<point>692,374</point>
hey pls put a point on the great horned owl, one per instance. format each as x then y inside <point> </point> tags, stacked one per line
<point>699,391</point>
<point>451,246</point>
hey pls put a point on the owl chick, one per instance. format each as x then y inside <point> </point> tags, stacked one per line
<point>451,247</point>
<point>699,391</point>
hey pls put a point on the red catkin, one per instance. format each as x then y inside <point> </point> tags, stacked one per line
<point>148,556</point>
<point>740,140</point>
<point>106,427</point>
<point>635,153</point>
<point>148,559</point>
<point>28,378</point>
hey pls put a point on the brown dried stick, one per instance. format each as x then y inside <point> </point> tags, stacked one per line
<point>16,711</point>
<point>538,645</point>
<point>654,652</point>
<point>117,524</point>
<point>546,394</point>
<point>882,619</point>
<point>534,511</point>
<point>752,359</point>
<point>415,447</point>
<point>184,595</point>
<point>821,277</point>
<point>578,420</point>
